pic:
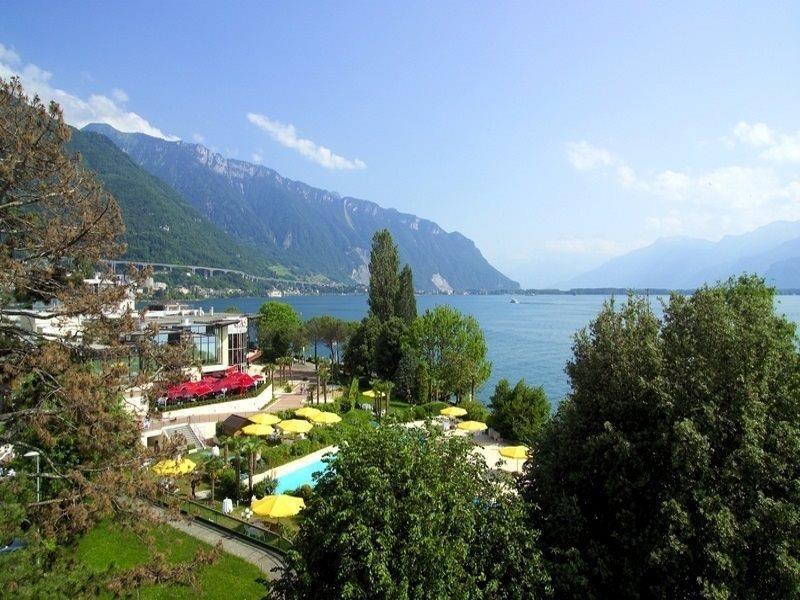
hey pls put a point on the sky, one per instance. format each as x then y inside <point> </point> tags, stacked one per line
<point>555,135</point>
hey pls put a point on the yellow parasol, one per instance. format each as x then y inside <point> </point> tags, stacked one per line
<point>264,418</point>
<point>517,452</point>
<point>369,393</point>
<point>326,418</point>
<point>295,426</point>
<point>306,411</point>
<point>174,467</point>
<point>278,506</point>
<point>472,426</point>
<point>453,411</point>
<point>258,429</point>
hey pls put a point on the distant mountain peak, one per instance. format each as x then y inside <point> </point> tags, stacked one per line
<point>772,251</point>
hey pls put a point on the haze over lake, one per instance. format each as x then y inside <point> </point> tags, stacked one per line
<point>530,340</point>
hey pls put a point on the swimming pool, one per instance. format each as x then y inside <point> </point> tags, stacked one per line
<point>300,476</point>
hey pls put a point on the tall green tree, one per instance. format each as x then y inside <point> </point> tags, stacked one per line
<point>389,347</point>
<point>673,468</point>
<point>406,304</point>
<point>452,348</point>
<point>384,281</point>
<point>359,354</point>
<point>314,331</point>
<point>279,328</point>
<point>418,528</point>
<point>520,413</point>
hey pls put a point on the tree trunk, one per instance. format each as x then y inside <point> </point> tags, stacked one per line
<point>212,489</point>
<point>238,473</point>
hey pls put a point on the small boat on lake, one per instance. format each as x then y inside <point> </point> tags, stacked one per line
<point>514,301</point>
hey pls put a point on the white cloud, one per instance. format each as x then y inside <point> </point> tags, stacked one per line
<point>8,56</point>
<point>777,147</point>
<point>286,135</point>
<point>712,203</point>
<point>120,95</point>
<point>77,111</point>
<point>257,157</point>
<point>584,156</point>
<point>198,138</point>
<point>757,134</point>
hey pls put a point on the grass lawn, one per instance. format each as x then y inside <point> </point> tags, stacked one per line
<point>230,577</point>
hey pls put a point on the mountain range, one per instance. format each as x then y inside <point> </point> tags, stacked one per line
<point>772,251</point>
<point>276,224</point>
<point>160,225</point>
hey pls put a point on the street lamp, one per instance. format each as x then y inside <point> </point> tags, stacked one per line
<point>34,454</point>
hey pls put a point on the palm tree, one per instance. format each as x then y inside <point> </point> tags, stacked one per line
<point>289,362</point>
<point>270,368</point>
<point>213,468</point>
<point>251,446</point>
<point>323,375</point>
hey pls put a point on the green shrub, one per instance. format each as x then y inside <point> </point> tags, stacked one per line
<point>476,411</point>
<point>304,492</point>
<point>265,487</point>
<point>228,487</point>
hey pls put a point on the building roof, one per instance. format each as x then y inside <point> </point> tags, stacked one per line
<point>208,319</point>
<point>234,423</point>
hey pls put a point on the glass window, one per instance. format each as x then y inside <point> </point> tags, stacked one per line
<point>237,348</point>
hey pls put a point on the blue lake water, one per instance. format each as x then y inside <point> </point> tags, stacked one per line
<point>530,340</point>
<point>304,475</point>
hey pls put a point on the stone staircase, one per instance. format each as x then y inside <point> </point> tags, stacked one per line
<point>188,432</point>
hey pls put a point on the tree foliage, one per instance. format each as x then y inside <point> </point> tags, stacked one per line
<point>520,413</point>
<point>392,518</point>
<point>384,282</point>
<point>453,350</point>
<point>359,355</point>
<point>63,396</point>
<point>406,303</point>
<point>279,329</point>
<point>673,468</point>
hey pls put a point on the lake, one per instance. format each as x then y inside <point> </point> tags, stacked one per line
<point>530,340</point>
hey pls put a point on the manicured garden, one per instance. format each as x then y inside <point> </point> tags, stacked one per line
<point>108,548</point>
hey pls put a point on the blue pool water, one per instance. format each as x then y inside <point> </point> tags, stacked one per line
<point>304,475</point>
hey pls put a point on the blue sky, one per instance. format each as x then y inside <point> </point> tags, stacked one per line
<point>555,135</point>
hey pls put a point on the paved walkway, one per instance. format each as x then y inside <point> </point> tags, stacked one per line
<point>264,559</point>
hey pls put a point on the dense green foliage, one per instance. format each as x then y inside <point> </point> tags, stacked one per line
<point>519,413</point>
<point>389,347</point>
<point>309,231</point>
<point>359,355</point>
<point>673,468</point>
<point>392,518</point>
<point>384,279</point>
<point>279,329</point>
<point>406,303</point>
<point>452,349</point>
<point>160,225</point>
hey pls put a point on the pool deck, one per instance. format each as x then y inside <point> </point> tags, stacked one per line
<point>485,446</point>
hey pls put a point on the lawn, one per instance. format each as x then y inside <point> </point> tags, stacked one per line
<point>230,577</point>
